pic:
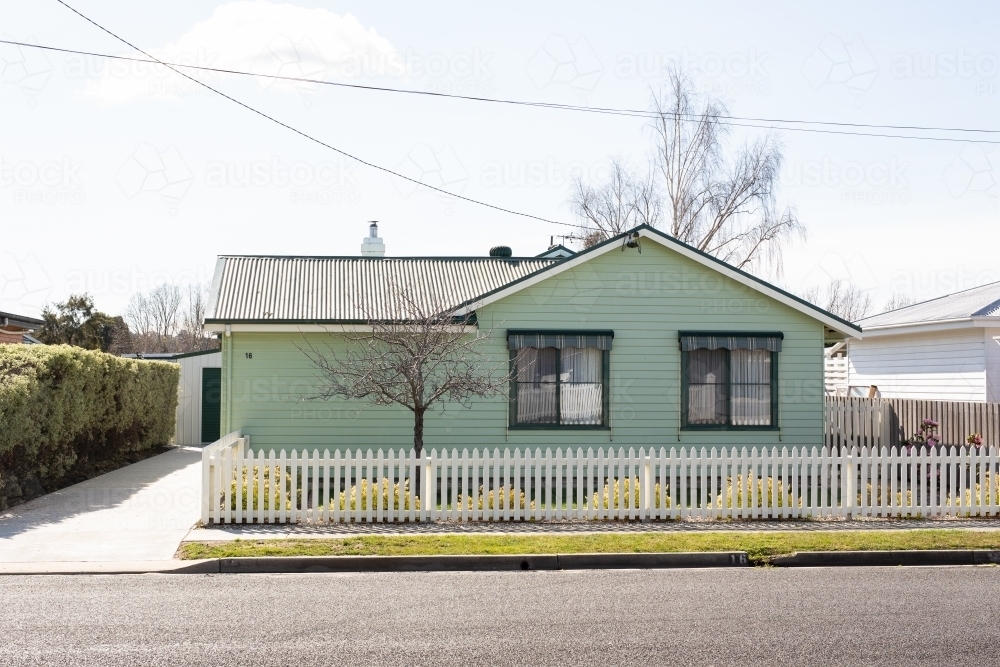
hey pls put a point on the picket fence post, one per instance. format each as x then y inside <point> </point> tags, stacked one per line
<point>647,486</point>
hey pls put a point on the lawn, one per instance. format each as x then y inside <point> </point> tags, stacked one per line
<point>759,545</point>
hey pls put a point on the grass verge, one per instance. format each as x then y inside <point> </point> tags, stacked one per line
<point>759,545</point>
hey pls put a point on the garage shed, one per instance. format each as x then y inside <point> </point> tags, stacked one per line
<point>199,391</point>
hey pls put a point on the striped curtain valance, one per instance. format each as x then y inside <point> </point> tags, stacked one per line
<point>601,340</point>
<point>697,341</point>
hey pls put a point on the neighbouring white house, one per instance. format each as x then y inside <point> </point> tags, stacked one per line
<point>943,349</point>
<point>198,394</point>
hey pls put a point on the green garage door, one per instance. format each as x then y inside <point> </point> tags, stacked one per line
<point>211,411</point>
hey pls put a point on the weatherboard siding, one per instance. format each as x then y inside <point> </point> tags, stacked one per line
<point>946,365</point>
<point>992,343</point>
<point>644,298</point>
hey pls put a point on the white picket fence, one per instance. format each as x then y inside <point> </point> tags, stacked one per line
<point>242,486</point>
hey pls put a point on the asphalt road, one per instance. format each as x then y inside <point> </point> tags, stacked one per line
<point>871,616</point>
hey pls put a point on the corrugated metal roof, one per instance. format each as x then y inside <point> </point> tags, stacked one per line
<point>982,301</point>
<point>332,289</point>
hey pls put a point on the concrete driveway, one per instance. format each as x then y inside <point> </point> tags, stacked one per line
<point>139,512</point>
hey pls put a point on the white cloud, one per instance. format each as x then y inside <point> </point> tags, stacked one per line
<point>261,37</point>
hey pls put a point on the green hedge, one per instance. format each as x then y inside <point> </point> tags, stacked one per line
<point>61,406</point>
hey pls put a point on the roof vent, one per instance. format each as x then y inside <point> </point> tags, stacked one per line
<point>501,251</point>
<point>372,245</point>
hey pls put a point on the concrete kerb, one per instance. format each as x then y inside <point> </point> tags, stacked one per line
<point>343,564</point>
<point>485,563</point>
<point>887,558</point>
<point>507,563</point>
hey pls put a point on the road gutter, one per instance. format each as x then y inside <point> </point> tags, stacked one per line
<point>507,562</point>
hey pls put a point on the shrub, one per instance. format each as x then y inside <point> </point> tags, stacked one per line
<point>972,498</point>
<point>271,491</point>
<point>349,499</point>
<point>502,497</point>
<point>61,406</point>
<point>281,493</point>
<point>627,491</point>
<point>784,496</point>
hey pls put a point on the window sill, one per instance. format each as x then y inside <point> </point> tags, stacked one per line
<point>557,427</point>
<point>707,427</point>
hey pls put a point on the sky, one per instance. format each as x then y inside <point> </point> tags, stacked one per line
<point>116,177</point>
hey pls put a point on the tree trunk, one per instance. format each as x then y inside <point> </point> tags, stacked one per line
<point>418,449</point>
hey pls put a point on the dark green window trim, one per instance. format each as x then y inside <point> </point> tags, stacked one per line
<point>605,396</point>
<point>729,426</point>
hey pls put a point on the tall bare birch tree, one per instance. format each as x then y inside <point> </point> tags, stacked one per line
<point>697,187</point>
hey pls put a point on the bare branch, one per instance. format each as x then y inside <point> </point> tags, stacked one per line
<point>896,301</point>
<point>843,299</point>
<point>721,201</point>
<point>418,353</point>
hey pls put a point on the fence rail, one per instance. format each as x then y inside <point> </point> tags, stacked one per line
<point>242,486</point>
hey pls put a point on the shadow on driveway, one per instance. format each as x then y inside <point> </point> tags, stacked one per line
<point>139,512</point>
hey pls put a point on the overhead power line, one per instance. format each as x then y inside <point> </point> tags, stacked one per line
<point>314,139</point>
<point>729,120</point>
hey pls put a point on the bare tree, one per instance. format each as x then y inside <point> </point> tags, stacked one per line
<point>896,301</point>
<point>165,320</point>
<point>419,352</point>
<point>141,323</point>
<point>191,337</point>
<point>843,299</point>
<point>165,305</point>
<point>623,202</point>
<point>722,201</point>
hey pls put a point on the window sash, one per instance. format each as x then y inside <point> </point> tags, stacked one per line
<point>574,396</point>
<point>746,398</point>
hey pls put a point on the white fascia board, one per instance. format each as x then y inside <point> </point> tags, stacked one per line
<point>919,327</point>
<point>722,268</point>
<point>213,296</point>
<point>219,327</point>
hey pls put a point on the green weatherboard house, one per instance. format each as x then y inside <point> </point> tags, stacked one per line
<point>639,341</point>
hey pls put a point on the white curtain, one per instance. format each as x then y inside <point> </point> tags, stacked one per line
<point>581,394</point>
<point>706,386</point>
<point>536,386</point>
<point>750,375</point>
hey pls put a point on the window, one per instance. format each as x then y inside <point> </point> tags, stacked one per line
<point>560,380</point>
<point>729,380</point>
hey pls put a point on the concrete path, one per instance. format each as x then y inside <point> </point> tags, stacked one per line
<point>136,513</point>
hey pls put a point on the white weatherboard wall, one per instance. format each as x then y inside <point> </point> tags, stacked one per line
<point>992,343</point>
<point>188,426</point>
<point>945,365</point>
